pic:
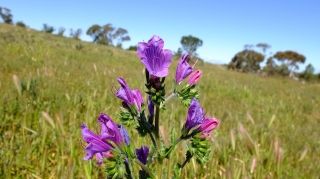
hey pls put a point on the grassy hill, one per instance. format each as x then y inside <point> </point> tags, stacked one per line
<point>49,85</point>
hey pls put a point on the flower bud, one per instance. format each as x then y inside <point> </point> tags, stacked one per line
<point>109,155</point>
<point>208,125</point>
<point>195,77</point>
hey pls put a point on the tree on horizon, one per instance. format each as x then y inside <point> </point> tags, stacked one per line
<point>6,15</point>
<point>190,44</point>
<point>290,59</point>
<point>107,34</point>
<point>246,61</point>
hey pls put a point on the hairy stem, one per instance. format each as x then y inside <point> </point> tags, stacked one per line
<point>173,95</point>
<point>188,157</point>
<point>157,126</point>
<point>153,140</point>
<point>157,135</point>
<point>127,165</point>
<point>159,169</point>
<point>145,168</point>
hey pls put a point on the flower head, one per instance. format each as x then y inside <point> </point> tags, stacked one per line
<point>155,59</point>
<point>130,98</point>
<point>96,145</point>
<point>183,69</point>
<point>195,77</point>
<point>195,115</point>
<point>142,154</point>
<point>124,92</point>
<point>109,130</point>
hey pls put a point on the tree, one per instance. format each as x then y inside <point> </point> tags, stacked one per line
<point>246,61</point>
<point>61,31</point>
<point>121,35</point>
<point>75,34</point>
<point>178,52</point>
<point>307,74</point>
<point>270,66</point>
<point>133,48</point>
<point>263,46</point>
<point>21,24</point>
<point>107,34</point>
<point>95,31</point>
<point>290,59</point>
<point>48,29</point>
<point>6,15</point>
<point>190,44</point>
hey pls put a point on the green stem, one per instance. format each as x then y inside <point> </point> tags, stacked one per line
<point>173,95</point>
<point>188,157</point>
<point>177,141</point>
<point>159,169</point>
<point>157,135</point>
<point>152,139</point>
<point>128,169</point>
<point>151,174</point>
<point>157,126</point>
<point>185,162</point>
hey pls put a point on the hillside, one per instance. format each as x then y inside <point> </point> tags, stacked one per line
<point>269,126</point>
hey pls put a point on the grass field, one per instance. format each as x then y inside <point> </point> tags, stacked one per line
<point>49,85</point>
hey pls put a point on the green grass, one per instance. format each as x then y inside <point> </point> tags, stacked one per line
<point>269,126</point>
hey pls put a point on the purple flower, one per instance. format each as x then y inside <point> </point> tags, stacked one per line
<point>129,97</point>
<point>142,154</point>
<point>195,115</point>
<point>155,59</point>
<point>124,92</point>
<point>195,77</point>
<point>208,125</point>
<point>96,145</point>
<point>109,130</point>
<point>183,69</point>
<point>124,134</point>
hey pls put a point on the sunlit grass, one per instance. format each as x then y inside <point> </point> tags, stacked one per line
<point>49,85</point>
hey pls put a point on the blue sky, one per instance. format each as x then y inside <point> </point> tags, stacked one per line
<point>224,26</point>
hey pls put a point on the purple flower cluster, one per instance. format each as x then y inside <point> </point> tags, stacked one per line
<point>99,144</point>
<point>196,118</point>
<point>113,140</point>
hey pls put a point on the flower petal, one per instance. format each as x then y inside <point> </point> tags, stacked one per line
<point>142,154</point>
<point>142,46</point>
<point>167,54</point>
<point>124,92</point>
<point>109,130</point>
<point>183,69</point>
<point>124,134</point>
<point>195,115</point>
<point>138,99</point>
<point>95,143</point>
<point>156,41</point>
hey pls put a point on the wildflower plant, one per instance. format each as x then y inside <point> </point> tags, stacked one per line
<point>112,147</point>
